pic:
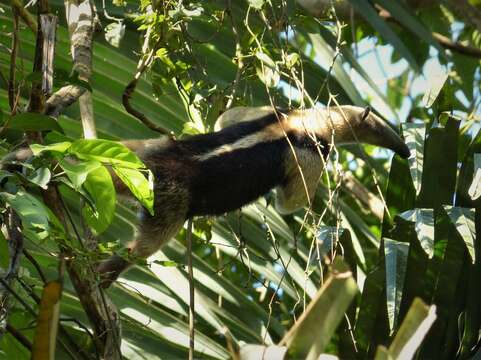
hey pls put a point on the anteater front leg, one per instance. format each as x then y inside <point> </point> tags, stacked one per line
<point>171,207</point>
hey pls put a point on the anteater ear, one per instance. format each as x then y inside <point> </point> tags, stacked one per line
<point>239,114</point>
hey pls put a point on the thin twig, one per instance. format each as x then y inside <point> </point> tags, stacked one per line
<point>25,15</point>
<point>238,55</point>
<point>13,63</point>
<point>145,60</point>
<point>22,339</point>
<point>191,289</point>
<point>35,264</point>
<point>18,297</point>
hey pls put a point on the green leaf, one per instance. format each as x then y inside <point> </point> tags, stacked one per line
<point>101,188</point>
<point>139,185</point>
<point>77,172</point>
<point>58,147</point>
<point>40,177</point>
<point>414,135</point>
<point>424,225</point>
<point>309,336</point>
<point>33,213</point>
<point>396,254</point>
<point>475,188</point>
<point>463,220</point>
<point>107,152</point>
<point>33,122</point>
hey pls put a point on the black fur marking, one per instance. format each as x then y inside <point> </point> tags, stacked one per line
<point>199,144</point>
<point>234,179</point>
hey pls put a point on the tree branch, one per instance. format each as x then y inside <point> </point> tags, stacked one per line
<point>80,21</point>
<point>15,246</point>
<point>462,8</point>
<point>22,339</point>
<point>144,62</point>
<point>25,15</point>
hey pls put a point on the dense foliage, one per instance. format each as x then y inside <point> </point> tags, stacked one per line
<point>406,229</point>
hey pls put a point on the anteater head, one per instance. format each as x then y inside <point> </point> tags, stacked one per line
<point>348,124</point>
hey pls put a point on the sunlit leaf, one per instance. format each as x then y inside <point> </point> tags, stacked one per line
<point>436,82</point>
<point>414,328</point>
<point>57,147</point>
<point>40,177</point>
<point>475,188</point>
<point>105,151</point>
<point>77,171</point>
<point>424,225</point>
<point>396,254</point>
<point>114,32</point>
<point>414,135</point>
<point>308,338</point>
<point>142,187</point>
<point>259,352</point>
<point>32,211</point>
<point>463,219</point>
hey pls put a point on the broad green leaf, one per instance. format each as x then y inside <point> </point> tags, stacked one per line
<point>77,171</point>
<point>369,13</point>
<point>139,185</point>
<point>101,188</point>
<point>310,335</point>
<point>107,152</point>
<point>33,213</point>
<point>414,135</point>
<point>58,147</point>
<point>40,177</point>
<point>414,328</point>
<point>424,225</point>
<point>396,255</point>
<point>475,188</point>
<point>463,220</point>
<point>33,122</point>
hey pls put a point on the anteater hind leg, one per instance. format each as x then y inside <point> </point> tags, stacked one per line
<point>154,231</point>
